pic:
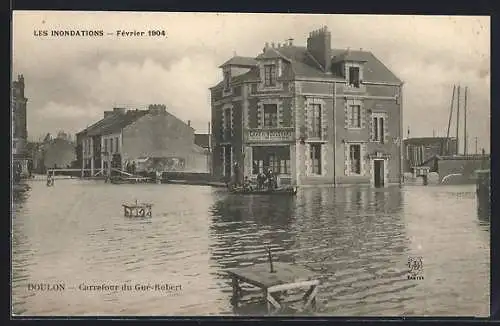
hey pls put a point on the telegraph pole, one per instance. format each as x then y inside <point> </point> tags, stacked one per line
<point>458,116</point>
<point>465,122</point>
<point>476,144</point>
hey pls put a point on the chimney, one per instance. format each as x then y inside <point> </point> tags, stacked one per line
<point>189,123</point>
<point>108,113</point>
<point>290,42</point>
<point>120,110</point>
<point>320,47</point>
<point>157,108</point>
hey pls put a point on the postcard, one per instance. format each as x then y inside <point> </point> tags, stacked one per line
<point>228,164</point>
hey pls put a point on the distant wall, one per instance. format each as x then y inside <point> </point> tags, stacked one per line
<point>60,153</point>
<point>460,166</point>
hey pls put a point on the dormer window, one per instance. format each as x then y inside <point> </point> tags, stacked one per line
<point>354,77</point>
<point>270,75</point>
<point>227,81</point>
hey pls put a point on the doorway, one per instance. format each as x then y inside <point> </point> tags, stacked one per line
<point>378,173</point>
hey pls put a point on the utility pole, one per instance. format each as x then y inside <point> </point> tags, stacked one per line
<point>458,117</point>
<point>476,145</point>
<point>465,122</point>
<point>449,124</point>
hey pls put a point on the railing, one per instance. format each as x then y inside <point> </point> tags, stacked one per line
<point>270,135</point>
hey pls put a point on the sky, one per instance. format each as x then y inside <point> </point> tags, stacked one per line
<point>70,81</point>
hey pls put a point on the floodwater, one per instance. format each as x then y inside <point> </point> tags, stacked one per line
<point>358,240</point>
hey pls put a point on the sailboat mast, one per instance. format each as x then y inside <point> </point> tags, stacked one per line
<point>458,117</point>
<point>449,124</point>
<point>465,122</point>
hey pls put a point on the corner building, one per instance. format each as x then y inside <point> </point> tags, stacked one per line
<point>314,115</point>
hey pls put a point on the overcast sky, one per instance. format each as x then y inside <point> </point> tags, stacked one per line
<point>70,81</point>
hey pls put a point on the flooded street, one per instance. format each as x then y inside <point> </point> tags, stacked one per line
<point>358,239</point>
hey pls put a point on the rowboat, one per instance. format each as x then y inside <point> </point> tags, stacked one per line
<point>277,191</point>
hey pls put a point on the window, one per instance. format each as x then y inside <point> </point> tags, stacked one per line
<point>269,75</point>
<point>355,159</point>
<point>378,129</point>
<point>117,146</point>
<point>316,121</point>
<point>227,80</point>
<point>354,116</point>
<point>285,167</point>
<point>111,145</point>
<point>354,80</point>
<point>316,158</point>
<point>258,167</point>
<point>276,158</point>
<point>105,145</point>
<point>270,116</point>
<point>274,164</point>
<point>14,144</point>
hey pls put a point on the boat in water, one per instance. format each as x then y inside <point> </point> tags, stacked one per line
<point>253,191</point>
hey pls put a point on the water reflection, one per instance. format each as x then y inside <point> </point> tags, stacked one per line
<point>347,234</point>
<point>357,238</point>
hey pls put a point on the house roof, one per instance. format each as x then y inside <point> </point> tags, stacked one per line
<point>202,140</point>
<point>271,53</point>
<point>114,123</point>
<point>427,140</point>
<point>240,62</point>
<point>349,55</point>
<point>304,64</point>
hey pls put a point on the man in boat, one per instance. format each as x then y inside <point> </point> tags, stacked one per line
<point>260,180</point>
<point>247,185</point>
<point>270,180</point>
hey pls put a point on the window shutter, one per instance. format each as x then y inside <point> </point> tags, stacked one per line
<point>346,159</point>
<point>386,128</point>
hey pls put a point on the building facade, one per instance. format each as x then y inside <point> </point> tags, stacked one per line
<point>313,115</point>
<point>152,136</point>
<point>419,150</point>
<point>19,126</point>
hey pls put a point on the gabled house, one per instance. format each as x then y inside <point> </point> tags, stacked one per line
<point>312,114</point>
<point>132,136</point>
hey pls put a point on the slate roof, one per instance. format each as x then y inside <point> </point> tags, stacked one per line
<point>272,53</point>
<point>240,62</point>
<point>304,64</point>
<point>113,123</point>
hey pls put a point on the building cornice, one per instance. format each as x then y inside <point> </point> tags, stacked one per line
<point>349,96</point>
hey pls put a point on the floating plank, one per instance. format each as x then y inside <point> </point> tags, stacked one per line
<point>259,275</point>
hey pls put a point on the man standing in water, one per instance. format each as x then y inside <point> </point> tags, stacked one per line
<point>236,174</point>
